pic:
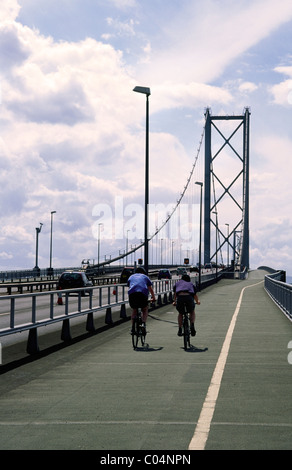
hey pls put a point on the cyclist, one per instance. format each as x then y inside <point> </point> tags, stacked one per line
<point>184,295</point>
<point>139,287</point>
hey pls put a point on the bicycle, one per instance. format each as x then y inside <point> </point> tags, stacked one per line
<point>138,330</point>
<point>186,328</point>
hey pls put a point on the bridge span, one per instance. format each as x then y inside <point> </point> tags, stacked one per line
<point>232,390</point>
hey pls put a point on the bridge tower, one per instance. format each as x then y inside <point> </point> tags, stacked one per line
<point>226,188</point>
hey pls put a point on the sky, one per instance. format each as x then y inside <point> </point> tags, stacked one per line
<point>72,132</point>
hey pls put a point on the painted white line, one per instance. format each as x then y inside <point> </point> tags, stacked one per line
<point>201,433</point>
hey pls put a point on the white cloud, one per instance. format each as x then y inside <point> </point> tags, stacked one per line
<point>9,10</point>
<point>282,92</point>
<point>271,195</point>
<point>190,95</point>
<point>73,135</point>
<point>247,87</point>
<point>122,4</point>
<point>126,28</point>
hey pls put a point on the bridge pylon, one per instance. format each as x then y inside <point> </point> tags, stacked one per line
<point>226,187</point>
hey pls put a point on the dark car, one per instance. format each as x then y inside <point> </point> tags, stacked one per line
<point>74,279</point>
<point>126,273</point>
<point>208,266</point>
<point>164,274</point>
<point>181,271</point>
<point>194,269</point>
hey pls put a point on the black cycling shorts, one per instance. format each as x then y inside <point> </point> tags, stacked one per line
<point>138,300</point>
<point>185,300</point>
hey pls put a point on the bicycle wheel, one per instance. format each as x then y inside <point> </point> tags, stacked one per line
<point>135,334</point>
<point>186,332</point>
<point>142,334</point>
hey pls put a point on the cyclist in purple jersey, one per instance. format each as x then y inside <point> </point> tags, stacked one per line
<point>139,288</point>
<point>184,295</point>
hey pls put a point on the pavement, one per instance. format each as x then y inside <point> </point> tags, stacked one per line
<point>97,393</point>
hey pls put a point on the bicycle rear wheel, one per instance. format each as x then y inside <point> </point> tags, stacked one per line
<point>142,334</point>
<point>186,332</point>
<point>135,334</point>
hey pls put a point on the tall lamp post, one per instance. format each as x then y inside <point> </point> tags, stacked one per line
<point>216,213</point>
<point>127,247</point>
<point>51,243</point>
<point>200,243</point>
<point>146,91</point>
<point>38,230</point>
<point>98,247</point>
<point>227,245</point>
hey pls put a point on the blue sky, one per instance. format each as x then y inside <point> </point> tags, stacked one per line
<point>72,130</point>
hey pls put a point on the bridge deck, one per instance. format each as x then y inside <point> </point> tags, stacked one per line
<point>100,394</point>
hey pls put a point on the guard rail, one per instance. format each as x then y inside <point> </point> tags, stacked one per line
<point>49,284</point>
<point>45,310</point>
<point>280,292</point>
<point>42,312</point>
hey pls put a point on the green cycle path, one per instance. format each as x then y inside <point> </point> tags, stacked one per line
<point>232,390</point>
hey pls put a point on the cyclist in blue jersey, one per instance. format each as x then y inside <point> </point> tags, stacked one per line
<point>184,295</point>
<point>139,288</point>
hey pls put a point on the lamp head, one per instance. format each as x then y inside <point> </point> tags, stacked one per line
<point>142,89</point>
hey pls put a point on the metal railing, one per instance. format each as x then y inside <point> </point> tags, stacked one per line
<point>280,292</point>
<point>30,311</point>
<point>44,308</point>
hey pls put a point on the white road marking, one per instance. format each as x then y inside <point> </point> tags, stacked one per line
<point>202,430</point>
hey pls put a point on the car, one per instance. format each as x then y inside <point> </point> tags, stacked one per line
<point>74,279</point>
<point>164,274</point>
<point>126,273</point>
<point>194,269</point>
<point>181,270</point>
<point>208,266</point>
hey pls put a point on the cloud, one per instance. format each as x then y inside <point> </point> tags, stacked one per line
<point>68,114</point>
<point>190,95</point>
<point>125,28</point>
<point>123,4</point>
<point>282,92</point>
<point>270,197</point>
<point>247,87</point>
<point>9,10</point>
<point>203,39</point>
<point>13,50</point>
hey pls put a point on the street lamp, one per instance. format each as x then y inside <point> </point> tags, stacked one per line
<point>227,245</point>
<point>146,91</point>
<point>38,230</point>
<point>51,243</point>
<point>216,213</point>
<point>200,244</point>
<point>98,246</point>
<point>127,247</point>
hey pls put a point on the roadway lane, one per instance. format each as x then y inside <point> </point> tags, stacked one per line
<point>23,312</point>
<point>100,394</point>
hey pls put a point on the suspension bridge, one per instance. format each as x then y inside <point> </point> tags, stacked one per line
<point>89,390</point>
<point>221,168</point>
